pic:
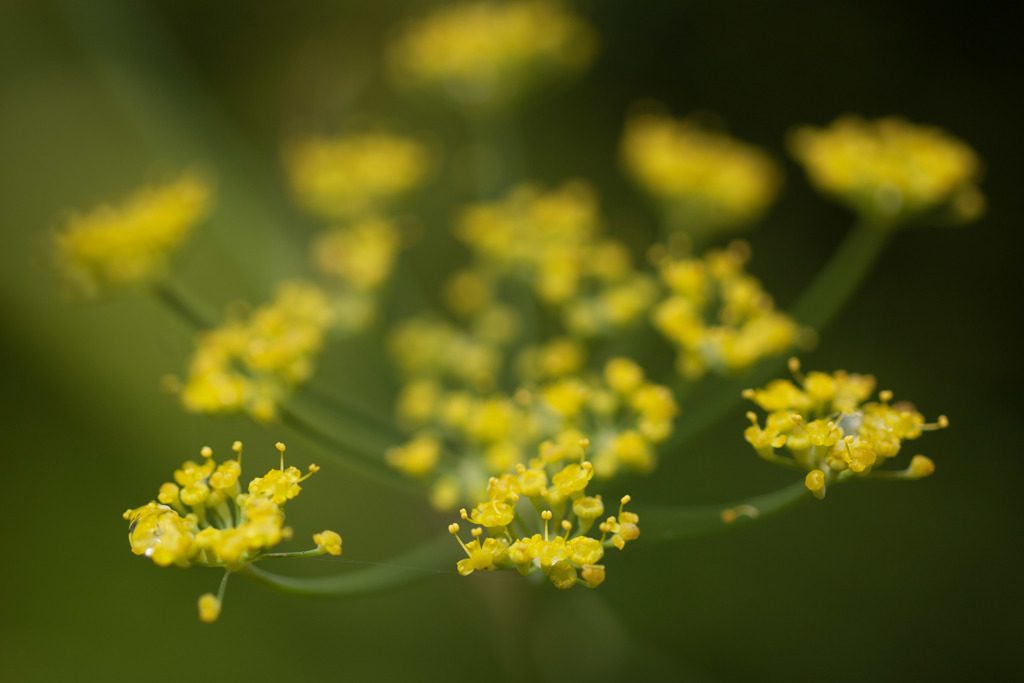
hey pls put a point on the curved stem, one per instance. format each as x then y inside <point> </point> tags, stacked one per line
<point>675,523</point>
<point>188,307</point>
<point>354,456</point>
<point>841,275</point>
<point>433,557</point>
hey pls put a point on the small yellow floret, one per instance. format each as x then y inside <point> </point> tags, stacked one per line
<point>328,541</point>
<point>209,608</point>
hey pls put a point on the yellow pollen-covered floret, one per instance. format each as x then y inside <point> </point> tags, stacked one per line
<point>208,522</point>
<point>824,423</point>
<point>209,608</point>
<point>564,553</point>
<point>328,541</point>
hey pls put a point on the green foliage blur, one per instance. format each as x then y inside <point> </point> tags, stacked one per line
<point>883,582</point>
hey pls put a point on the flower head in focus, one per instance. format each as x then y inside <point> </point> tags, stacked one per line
<point>825,425</point>
<point>547,497</point>
<point>487,54</point>
<point>890,170</point>
<point>114,246</point>
<point>705,181</point>
<point>205,518</point>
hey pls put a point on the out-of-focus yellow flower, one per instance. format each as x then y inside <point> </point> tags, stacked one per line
<point>550,242</point>
<point>250,364</point>
<point>829,428</point>
<point>343,176</point>
<point>889,170</point>
<point>360,255</point>
<point>626,415</point>
<point>541,238</point>
<point>557,488</point>
<point>223,527</point>
<point>706,181</point>
<point>484,54</point>
<point>718,316</point>
<point>112,246</point>
<point>556,358</point>
<point>416,458</point>
<point>426,346</point>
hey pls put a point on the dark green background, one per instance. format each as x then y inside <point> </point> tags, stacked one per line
<point>882,582</point>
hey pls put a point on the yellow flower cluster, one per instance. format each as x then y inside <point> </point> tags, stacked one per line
<point>556,489</point>
<point>889,169</point>
<point>626,414</point>
<point>426,347</point>
<point>361,255</point>
<point>349,175</point>
<point>550,241</point>
<point>461,438</point>
<point>718,316</point>
<point>250,364</point>
<point>112,246</point>
<point>706,181</point>
<point>492,53</point>
<point>204,519</point>
<point>830,430</point>
<point>357,260</point>
<point>556,358</point>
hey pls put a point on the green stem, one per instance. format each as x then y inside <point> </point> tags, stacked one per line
<point>816,307</point>
<point>223,586</point>
<point>433,557</point>
<point>353,456</point>
<point>675,523</point>
<point>355,410</point>
<point>187,306</point>
<point>315,552</point>
<point>841,276</point>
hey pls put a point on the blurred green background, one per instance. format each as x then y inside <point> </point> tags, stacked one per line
<point>888,582</point>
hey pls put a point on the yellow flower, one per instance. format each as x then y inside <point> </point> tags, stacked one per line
<point>209,608</point>
<point>566,555</point>
<point>828,427</point>
<point>889,170</point>
<point>250,364</point>
<point>541,238</point>
<point>222,528</point>
<point>348,175</point>
<point>328,541</point>
<point>491,53</point>
<point>112,246</point>
<point>708,181</point>
<point>416,458</point>
<point>360,255</point>
<point>718,316</point>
